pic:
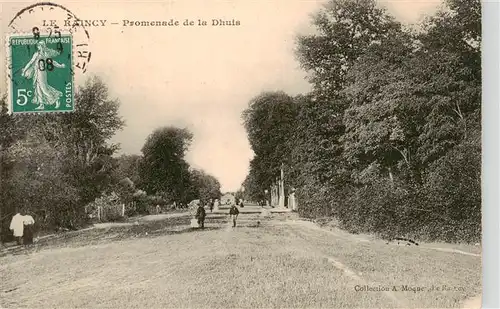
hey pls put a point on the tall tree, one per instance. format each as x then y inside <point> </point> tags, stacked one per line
<point>270,120</point>
<point>205,187</point>
<point>383,117</point>
<point>345,28</point>
<point>85,134</point>
<point>164,169</point>
<point>449,63</point>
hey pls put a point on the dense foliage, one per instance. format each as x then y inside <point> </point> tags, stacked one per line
<point>52,165</point>
<point>388,140</point>
<point>61,167</point>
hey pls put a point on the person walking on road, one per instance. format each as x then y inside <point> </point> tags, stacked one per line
<point>211,205</point>
<point>233,213</point>
<point>200,215</point>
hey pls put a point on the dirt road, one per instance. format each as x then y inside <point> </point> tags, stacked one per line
<point>261,263</point>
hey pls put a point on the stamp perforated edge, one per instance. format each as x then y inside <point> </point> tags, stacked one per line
<point>8,80</point>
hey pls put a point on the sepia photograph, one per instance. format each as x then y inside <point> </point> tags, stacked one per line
<point>241,154</point>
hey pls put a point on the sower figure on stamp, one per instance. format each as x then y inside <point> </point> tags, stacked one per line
<point>17,227</point>
<point>43,92</point>
<point>233,213</point>
<point>200,215</point>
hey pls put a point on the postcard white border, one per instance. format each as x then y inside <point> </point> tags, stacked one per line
<point>490,152</point>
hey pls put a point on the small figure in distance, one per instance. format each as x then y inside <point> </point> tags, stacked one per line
<point>233,213</point>
<point>200,215</point>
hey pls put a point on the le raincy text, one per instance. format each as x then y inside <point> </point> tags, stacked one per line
<point>144,23</point>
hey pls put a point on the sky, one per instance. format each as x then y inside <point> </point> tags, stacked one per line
<point>198,77</point>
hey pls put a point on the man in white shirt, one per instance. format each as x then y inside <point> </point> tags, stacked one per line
<point>17,227</point>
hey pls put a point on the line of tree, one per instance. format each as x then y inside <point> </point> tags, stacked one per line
<point>55,165</point>
<point>388,141</point>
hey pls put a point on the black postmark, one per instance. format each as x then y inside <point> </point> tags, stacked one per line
<point>52,19</point>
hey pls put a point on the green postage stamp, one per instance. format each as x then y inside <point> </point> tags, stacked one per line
<point>40,75</point>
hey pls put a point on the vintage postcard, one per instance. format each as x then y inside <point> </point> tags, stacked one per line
<point>240,154</point>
